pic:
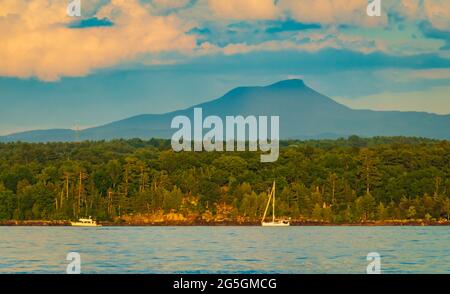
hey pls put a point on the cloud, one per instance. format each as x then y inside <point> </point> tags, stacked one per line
<point>248,33</point>
<point>328,12</point>
<point>434,74</point>
<point>165,7</point>
<point>431,32</point>
<point>36,38</point>
<point>353,12</point>
<point>410,8</point>
<point>170,3</point>
<point>331,12</point>
<point>434,101</point>
<point>243,10</point>
<point>294,61</point>
<point>302,41</point>
<point>438,13</point>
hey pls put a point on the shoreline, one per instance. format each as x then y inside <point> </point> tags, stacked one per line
<point>61,223</point>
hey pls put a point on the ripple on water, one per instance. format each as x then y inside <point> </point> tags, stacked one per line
<point>226,249</point>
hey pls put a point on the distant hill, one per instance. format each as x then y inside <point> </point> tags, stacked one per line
<point>304,114</point>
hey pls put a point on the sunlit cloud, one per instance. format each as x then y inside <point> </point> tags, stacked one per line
<point>331,12</point>
<point>36,39</point>
<point>164,4</point>
<point>438,13</point>
<point>244,10</point>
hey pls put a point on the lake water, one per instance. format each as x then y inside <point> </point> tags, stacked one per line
<point>225,249</point>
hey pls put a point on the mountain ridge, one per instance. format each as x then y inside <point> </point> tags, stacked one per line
<point>304,113</point>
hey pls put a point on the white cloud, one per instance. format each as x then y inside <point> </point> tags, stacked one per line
<point>35,39</point>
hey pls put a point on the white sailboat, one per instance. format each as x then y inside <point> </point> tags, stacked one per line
<point>274,222</point>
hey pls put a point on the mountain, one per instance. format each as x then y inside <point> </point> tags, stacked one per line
<point>304,114</point>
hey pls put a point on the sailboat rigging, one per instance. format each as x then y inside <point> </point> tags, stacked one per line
<point>275,222</point>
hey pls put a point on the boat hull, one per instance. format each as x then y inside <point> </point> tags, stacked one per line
<point>275,224</point>
<point>75,224</point>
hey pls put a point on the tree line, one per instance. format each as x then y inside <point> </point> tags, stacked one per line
<point>345,180</point>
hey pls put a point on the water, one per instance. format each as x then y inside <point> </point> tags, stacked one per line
<point>225,249</point>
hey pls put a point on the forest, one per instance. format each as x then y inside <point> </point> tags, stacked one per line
<point>348,180</point>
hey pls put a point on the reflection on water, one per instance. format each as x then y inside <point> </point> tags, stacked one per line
<point>225,249</point>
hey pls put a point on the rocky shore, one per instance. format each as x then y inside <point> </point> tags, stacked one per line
<point>200,222</point>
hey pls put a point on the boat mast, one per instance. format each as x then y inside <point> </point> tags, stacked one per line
<point>267,206</point>
<point>273,203</point>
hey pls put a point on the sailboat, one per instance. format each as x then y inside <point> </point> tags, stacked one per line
<point>274,222</point>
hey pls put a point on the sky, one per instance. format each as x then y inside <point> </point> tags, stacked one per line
<point>123,58</point>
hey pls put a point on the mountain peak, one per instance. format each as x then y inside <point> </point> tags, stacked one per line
<point>288,84</point>
<point>303,113</point>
